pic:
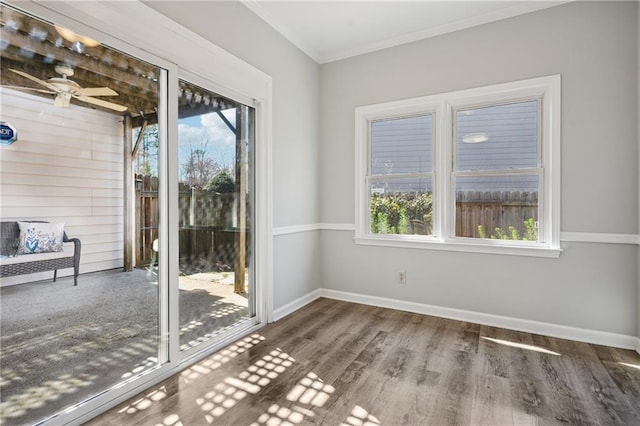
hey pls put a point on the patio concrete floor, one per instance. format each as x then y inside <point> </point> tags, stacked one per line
<point>61,344</point>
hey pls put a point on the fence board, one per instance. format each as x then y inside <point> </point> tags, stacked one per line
<point>205,223</point>
<point>494,210</point>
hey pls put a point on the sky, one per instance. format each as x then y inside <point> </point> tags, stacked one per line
<point>195,132</point>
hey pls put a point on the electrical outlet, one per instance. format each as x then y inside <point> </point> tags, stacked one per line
<point>402,277</point>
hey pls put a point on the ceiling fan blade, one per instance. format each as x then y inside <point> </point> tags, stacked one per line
<point>100,102</point>
<point>98,91</point>
<point>37,80</point>
<point>29,88</point>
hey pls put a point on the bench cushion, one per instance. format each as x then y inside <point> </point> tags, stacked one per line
<point>21,258</point>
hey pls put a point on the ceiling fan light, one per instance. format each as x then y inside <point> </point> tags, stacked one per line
<point>62,100</point>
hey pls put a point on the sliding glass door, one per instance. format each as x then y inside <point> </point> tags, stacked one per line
<point>215,193</point>
<point>159,192</point>
<point>87,160</point>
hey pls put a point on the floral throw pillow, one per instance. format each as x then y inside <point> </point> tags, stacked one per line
<point>40,237</point>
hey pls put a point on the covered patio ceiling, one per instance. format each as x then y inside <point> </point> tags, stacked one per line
<point>36,47</point>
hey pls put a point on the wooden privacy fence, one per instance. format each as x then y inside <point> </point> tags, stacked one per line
<point>206,220</point>
<point>147,208</point>
<point>207,225</point>
<point>493,209</point>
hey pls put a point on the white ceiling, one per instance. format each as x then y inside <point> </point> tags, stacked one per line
<point>332,30</point>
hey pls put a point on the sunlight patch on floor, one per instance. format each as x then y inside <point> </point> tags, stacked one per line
<point>218,331</point>
<point>140,404</point>
<point>309,393</point>
<point>172,420</point>
<point>626,364</point>
<point>227,394</point>
<point>37,396</point>
<point>193,373</point>
<point>521,346</point>
<point>150,362</point>
<point>219,358</point>
<point>360,417</point>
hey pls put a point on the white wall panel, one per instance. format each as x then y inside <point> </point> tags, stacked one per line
<point>65,167</point>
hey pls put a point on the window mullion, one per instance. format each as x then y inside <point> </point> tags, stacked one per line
<point>399,176</point>
<point>444,138</point>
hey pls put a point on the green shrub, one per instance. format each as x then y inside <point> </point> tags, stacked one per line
<point>530,232</point>
<point>395,213</point>
<point>221,183</point>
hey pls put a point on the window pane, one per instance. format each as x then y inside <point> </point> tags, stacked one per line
<point>497,137</point>
<point>401,146</point>
<point>401,206</point>
<point>497,207</point>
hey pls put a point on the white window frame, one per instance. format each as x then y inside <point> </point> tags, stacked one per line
<point>443,106</point>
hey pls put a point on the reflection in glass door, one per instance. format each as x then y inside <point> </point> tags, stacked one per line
<point>79,106</point>
<point>215,137</point>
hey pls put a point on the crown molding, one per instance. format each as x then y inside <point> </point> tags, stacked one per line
<point>258,8</point>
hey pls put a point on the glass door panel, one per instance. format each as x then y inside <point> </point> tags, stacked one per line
<point>87,158</point>
<point>215,137</point>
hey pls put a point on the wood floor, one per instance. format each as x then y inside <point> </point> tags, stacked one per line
<point>335,363</point>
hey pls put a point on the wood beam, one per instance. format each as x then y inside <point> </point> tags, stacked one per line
<point>136,146</point>
<point>100,62</point>
<point>227,122</point>
<point>241,200</point>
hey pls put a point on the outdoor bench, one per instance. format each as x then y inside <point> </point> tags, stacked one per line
<point>12,263</point>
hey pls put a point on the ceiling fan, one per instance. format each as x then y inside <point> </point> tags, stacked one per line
<point>65,89</point>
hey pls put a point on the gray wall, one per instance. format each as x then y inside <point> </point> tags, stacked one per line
<point>233,27</point>
<point>594,46</point>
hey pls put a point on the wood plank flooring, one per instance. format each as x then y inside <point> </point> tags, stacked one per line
<point>338,363</point>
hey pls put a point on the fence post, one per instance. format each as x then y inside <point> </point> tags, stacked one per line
<point>129,195</point>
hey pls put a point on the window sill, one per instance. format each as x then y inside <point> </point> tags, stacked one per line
<point>484,247</point>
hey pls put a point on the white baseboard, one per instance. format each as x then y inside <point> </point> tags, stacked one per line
<point>295,305</point>
<point>536,327</point>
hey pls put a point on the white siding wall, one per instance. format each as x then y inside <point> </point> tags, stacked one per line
<point>65,167</point>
